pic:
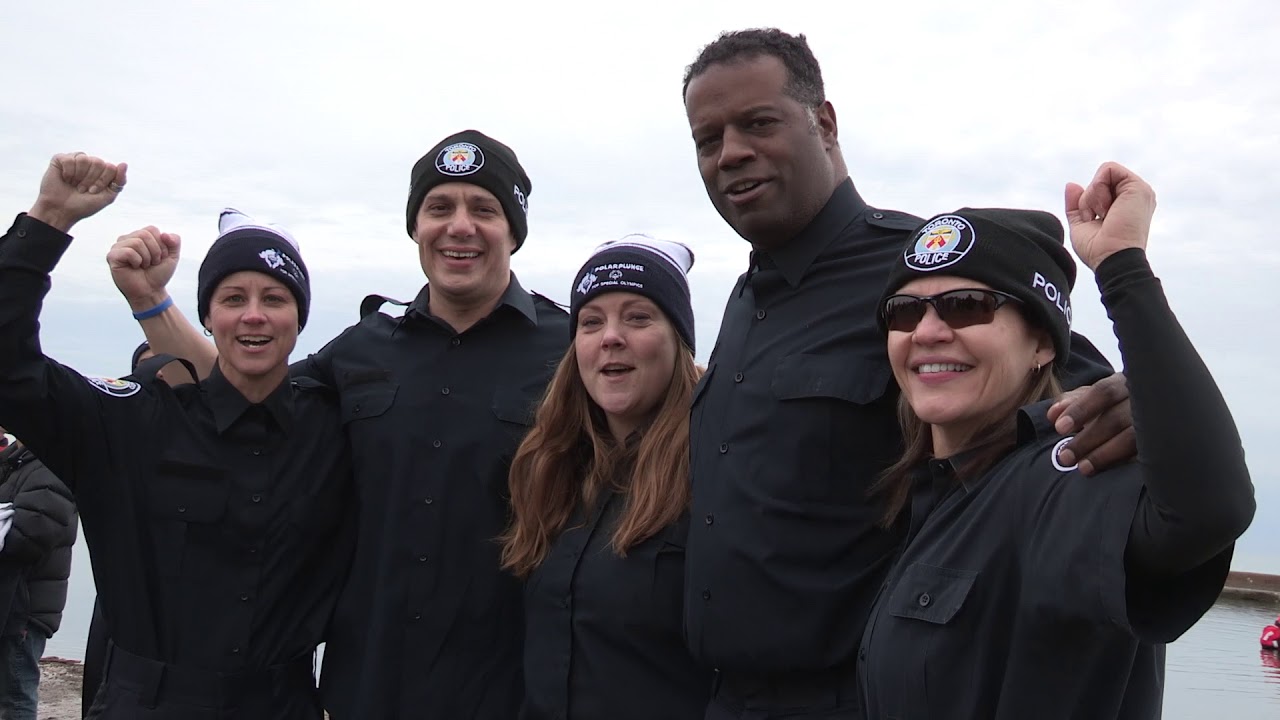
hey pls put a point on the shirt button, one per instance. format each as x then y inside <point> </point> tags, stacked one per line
<point>235,651</point>
<point>878,215</point>
<point>435,443</point>
<point>456,342</point>
<point>760,314</point>
<point>428,501</point>
<point>862,653</point>
<point>257,451</point>
<point>444,391</point>
<point>924,600</point>
<point>356,410</point>
<point>415,617</point>
<point>244,597</point>
<point>706,594</point>
<point>181,509</point>
<point>253,551</point>
<point>422,558</point>
<point>724,448</point>
<point>22,233</point>
<point>711,519</point>
<point>737,378</point>
<point>564,603</point>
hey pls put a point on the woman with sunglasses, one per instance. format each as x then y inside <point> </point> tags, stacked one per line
<point>1026,589</point>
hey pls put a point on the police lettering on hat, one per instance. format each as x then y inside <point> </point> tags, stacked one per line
<point>1020,252</point>
<point>473,157</point>
<point>245,244</point>
<point>640,264</point>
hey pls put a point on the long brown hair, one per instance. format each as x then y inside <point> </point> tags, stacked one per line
<point>569,457</point>
<point>990,443</point>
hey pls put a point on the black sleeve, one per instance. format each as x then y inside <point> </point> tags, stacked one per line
<point>1198,497</point>
<point>318,366</point>
<point>1085,365</point>
<point>44,516</point>
<point>63,417</point>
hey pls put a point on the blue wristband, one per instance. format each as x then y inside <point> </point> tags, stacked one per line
<point>168,303</point>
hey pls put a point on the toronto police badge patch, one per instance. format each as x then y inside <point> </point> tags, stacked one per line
<point>940,243</point>
<point>460,159</point>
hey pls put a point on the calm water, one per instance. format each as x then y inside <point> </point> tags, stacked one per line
<point>1217,670</point>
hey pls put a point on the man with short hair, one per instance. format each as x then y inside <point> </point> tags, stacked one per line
<point>795,418</point>
<point>435,403</point>
<point>36,536</point>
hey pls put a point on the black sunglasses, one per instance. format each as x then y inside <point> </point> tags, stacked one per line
<point>957,308</point>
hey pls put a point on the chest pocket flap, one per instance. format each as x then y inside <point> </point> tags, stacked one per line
<point>187,492</point>
<point>930,593</point>
<point>514,406</point>
<point>367,400</point>
<point>856,378</point>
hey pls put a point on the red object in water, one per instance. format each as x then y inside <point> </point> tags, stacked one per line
<point>1271,636</point>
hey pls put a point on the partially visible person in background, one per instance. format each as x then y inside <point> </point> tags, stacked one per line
<point>37,530</point>
<point>95,651</point>
<point>1271,636</point>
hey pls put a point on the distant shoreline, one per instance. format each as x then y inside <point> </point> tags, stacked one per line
<point>1259,587</point>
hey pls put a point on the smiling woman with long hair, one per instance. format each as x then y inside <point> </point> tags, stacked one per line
<point>600,495</point>
<point>1026,588</point>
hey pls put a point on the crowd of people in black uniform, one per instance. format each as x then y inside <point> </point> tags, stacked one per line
<point>901,487</point>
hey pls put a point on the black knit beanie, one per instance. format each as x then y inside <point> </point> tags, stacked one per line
<point>473,157</point>
<point>642,265</point>
<point>1019,252</point>
<point>244,244</point>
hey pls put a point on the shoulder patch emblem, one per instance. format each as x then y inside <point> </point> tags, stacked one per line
<point>113,387</point>
<point>1057,464</point>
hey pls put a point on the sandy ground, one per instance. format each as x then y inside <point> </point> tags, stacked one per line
<point>60,682</point>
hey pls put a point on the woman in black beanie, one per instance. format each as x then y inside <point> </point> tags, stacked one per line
<point>1027,589</point>
<point>600,495</point>
<point>215,513</point>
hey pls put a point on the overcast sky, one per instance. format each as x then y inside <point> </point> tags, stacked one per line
<point>311,114</point>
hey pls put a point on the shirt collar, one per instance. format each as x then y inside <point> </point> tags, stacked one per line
<point>228,404</point>
<point>793,259</point>
<point>515,296</point>
<point>1033,422</point>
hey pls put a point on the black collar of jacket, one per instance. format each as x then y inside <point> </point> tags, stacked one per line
<point>228,404</point>
<point>793,259</point>
<point>515,296</point>
<point>1033,422</point>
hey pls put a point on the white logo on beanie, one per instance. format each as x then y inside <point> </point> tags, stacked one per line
<point>588,282</point>
<point>1056,297</point>
<point>460,159</point>
<point>941,243</point>
<point>272,258</point>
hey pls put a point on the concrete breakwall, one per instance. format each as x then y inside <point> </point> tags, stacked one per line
<point>1253,586</point>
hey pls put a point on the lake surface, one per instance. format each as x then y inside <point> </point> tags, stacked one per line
<point>1217,670</point>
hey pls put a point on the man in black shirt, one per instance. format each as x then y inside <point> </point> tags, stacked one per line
<point>434,404</point>
<point>795,417</point>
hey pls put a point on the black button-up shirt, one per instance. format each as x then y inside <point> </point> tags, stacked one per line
<point>220,530</point>
<point>428,626</point>
<point>1021,574</point>
<point>793,421</point>
<point>604,633</point>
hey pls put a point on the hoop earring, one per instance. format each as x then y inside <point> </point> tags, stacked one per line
<point>1037,367</point>
<point>208,332</point>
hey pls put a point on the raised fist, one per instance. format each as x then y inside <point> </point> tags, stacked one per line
<point>142,264</point>
<point>74,187</point>
<point>1112,214</point>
